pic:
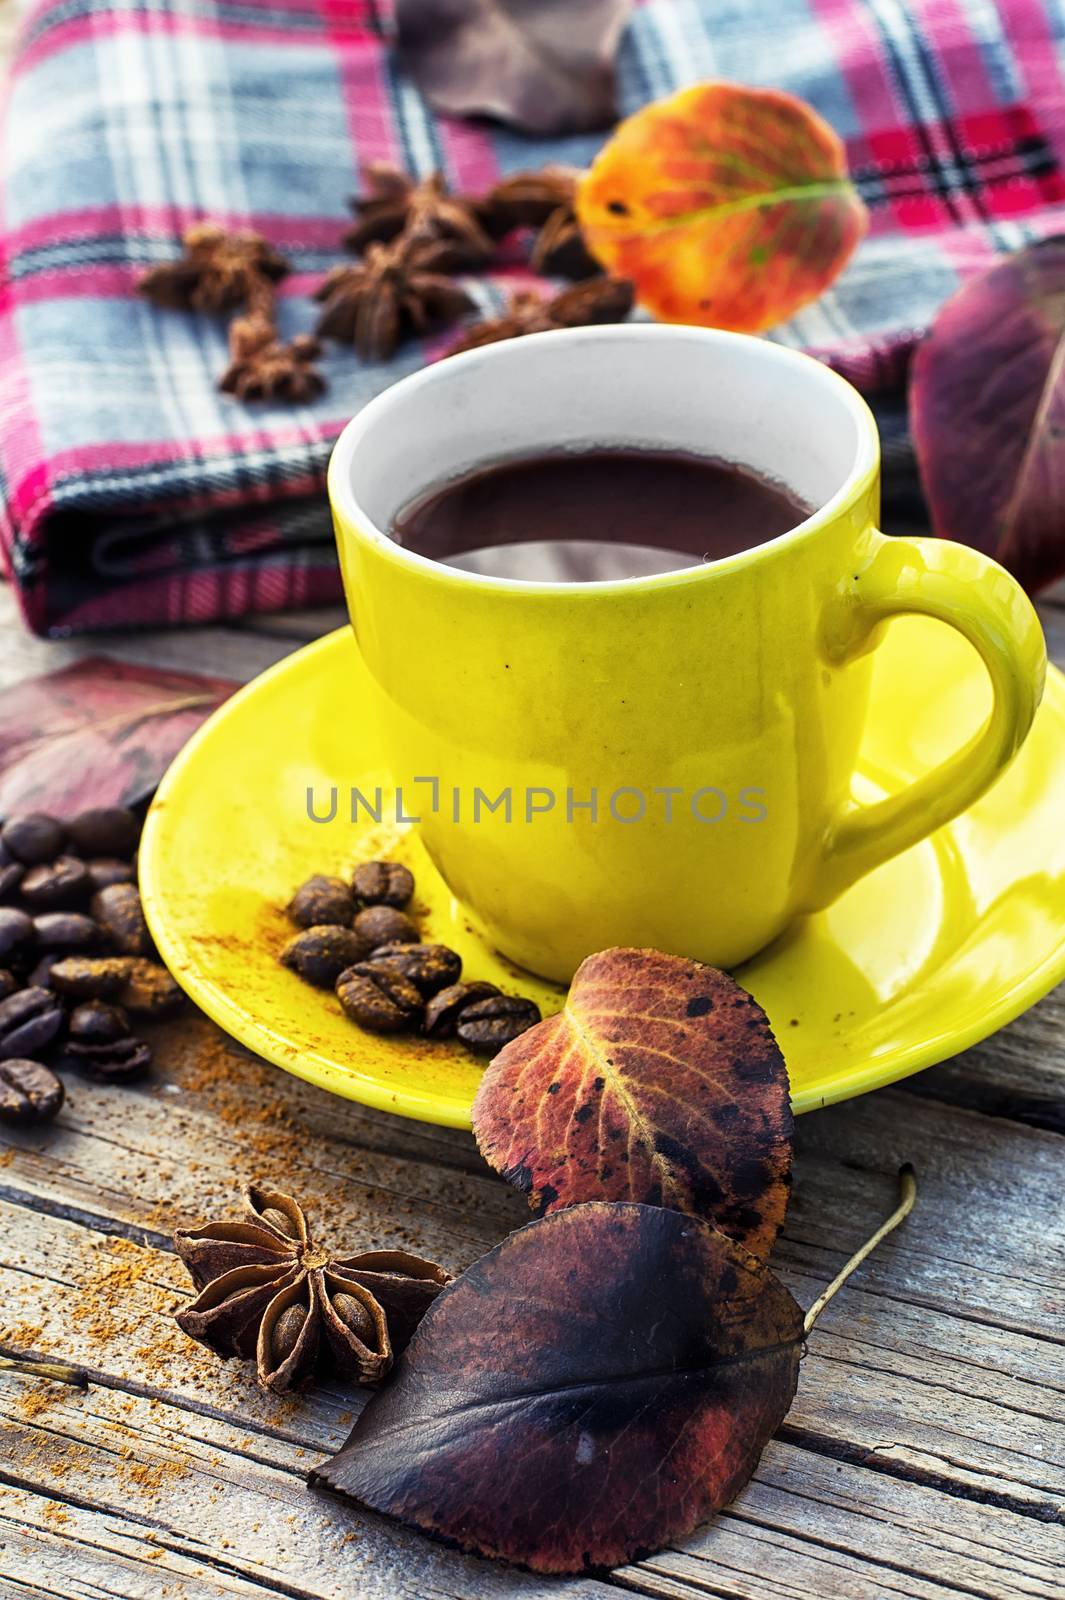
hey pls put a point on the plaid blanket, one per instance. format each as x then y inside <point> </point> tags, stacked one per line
<point>132,492</point>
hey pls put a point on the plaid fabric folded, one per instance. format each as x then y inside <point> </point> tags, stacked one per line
<point>134,493</point>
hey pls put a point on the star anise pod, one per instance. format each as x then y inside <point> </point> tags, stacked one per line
<point>264,368</point>
<point>543,200</point>
<point>395,203</point>
<point>599,300</point>
<point>218,271</point>
<point>396,289</point>
<point>268,1291</point>
<point>559,250</point>
<point>527,199</point>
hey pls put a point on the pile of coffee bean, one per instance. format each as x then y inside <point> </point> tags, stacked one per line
<point>77,962</point>
<point>360,940</point>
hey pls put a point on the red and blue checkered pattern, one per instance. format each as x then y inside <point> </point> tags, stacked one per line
<point>134,493</point>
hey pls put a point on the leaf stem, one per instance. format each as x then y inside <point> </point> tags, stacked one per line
<point>59,1371</point>
<point>907,1195</point>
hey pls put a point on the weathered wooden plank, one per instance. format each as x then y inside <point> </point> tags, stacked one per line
<point>979,1406</point>
<point>220,652</point>
<point>191,1496</point>
<point>213,1115</point>
<point>986,1239</point>
<point>1019,1072</point>
<point>140,1158</point>
<point>141,1481</point>
<point>299,626</point>
<point>807,1525</point>
<point>54,1551</point>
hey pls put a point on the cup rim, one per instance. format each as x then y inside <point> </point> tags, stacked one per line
<point>360,525</point>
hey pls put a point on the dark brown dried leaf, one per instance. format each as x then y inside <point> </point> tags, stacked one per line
<point>592,1389</point>
<point>545,68</point>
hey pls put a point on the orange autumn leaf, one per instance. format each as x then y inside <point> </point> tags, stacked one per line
<point>725,206</point>
<point>659,1081</point>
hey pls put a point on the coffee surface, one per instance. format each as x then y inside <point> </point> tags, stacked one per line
<point>580,517</point>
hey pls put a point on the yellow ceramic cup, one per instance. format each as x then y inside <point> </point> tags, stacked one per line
<point>665,760</point>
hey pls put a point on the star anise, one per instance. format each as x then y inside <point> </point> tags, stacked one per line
<point>599,300</point>
<point>396,289</point>
<point>543,200</point>
<point>268,1292</point>
<point>527,199</point>
<point>559,250</point>
<point>394,203</point>
<point>219,271</point>
<point>264,368</point>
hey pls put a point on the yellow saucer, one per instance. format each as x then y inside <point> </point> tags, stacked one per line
<point>924,957</point>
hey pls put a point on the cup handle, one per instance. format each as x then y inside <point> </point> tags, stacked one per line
<point>970,592</point>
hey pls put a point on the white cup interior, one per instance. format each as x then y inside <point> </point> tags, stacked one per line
<point>635,385</point>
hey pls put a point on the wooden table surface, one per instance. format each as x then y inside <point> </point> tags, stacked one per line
<point>923,1454</point>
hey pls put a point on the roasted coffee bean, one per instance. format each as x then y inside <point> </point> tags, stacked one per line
<point>147,989</point>
<point>66,930</point>
<point>118,911</point>
<point>428,966</point>
<point>320,955</point>
<point>143,987</point>
<point>8,983</point>
<point>322,901</point>
<point>356,1317</point>
<point>57,885</point>
<point>107,870</point>
<point>40,976</point>
<point>383,883</point>
<point>114,1061</point>
<point>30,1019</point>
<point>379,925</point>
<point>89,977</point>
<point>105,831</point>
<point>29,1092</point>
<point>382,1002</point>
<point>444,1009</point>
<point>11,872</point>
<point>284,1336</point>
<point>17,933</point>
<point>490,1024</point>
<point>95,1022</point>
<point>10,879</point>
<point>33,837</point>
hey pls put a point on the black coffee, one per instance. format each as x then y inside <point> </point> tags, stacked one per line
<point>581,517</point>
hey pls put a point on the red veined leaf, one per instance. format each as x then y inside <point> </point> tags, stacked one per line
<point>593,1388</point>
<point>725,206</point>
<point>659,1081</point>
<point>97,733</point>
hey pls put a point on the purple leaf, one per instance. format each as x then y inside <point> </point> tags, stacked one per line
<point>97,733</point>
<point>987,411</point>
<point>545,66</point>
